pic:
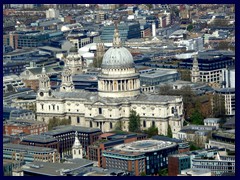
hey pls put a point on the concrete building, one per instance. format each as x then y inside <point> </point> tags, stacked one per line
<point>221,163</point>
<point>118,94</point>
<point>158,76</point>
<point>229,100</point>
<point>56,169</point>
<point>52,13</point>
<point>229,78</point>
<point>126,31</point>
<point>212,122</point>
<point>14,80</point>
<point>26,153</point>
<point>222,139</point>
<point>147,155</point>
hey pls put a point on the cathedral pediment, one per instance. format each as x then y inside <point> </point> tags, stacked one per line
<point>99,103</point>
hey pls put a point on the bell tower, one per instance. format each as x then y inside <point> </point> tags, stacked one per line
<point>67,83</point>
<point>44,85</point>
<point>77,150</point>
<point>195,73</point>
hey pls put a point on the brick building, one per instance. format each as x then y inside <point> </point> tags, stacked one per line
<point>12,127</point>
<point>176,163</point>
<point>133,162</point>
<point>65,135</point>
<point>40,141</point>
<point>107,141</point>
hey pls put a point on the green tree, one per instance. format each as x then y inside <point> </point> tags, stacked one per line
<point>118,126</point>
<point>169,131</point>
<point>189,27</point>
<point>196,117</point>
<point>163,172</point>
<point>58,122</point>
<point>134,122</point>
<point>193,146</point>
<point>143,174</point>
<point>151,131</point>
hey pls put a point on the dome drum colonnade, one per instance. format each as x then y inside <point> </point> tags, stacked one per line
<point>118,77</point>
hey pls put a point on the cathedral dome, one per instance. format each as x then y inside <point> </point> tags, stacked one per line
<point>117,57</point>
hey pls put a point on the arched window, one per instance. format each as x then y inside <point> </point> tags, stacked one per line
<point>90,123</point>
<point>42,106</point>
<point>172,110</point>
<point>78,120</point>
<point>74,151</point>
<point>58,108</point>
<point>79,151</point>
<point>144,123</point>
<point>49,107</point>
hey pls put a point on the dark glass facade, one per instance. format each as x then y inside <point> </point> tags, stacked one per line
<point>126,31</point>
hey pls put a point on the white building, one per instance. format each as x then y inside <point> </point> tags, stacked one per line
<point>52,13</point>
<point>118,94</point>
<point>229,99</point>
<point>77,150</point>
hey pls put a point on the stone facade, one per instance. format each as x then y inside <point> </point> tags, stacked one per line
<point>118,94</point>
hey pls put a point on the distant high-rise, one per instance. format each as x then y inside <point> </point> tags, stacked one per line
<point>52,13</point>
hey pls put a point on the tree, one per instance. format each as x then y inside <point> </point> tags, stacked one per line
<point>196,117</point>
<point>152,131</point>
<point>189,27</point>
<point>218,105</point>
<point>169,131</point>
<point>143,174</point>
<point>193,146</point>
<point>134,122</point>
<point>118,126</point>
<point>185,74</point>
<point>163,172</point>
<point>58,122</point>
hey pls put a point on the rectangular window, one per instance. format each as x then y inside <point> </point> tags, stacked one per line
<point>100,110</point>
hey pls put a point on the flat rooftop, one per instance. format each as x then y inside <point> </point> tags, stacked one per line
<point>26,148</point>
<point>158,73</point>
<point>39,138</point>
<point>145,146</point>
<point>65,129</point>
<point>55,169</point>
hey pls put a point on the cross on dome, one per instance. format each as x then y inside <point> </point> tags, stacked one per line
<point>116,39</point>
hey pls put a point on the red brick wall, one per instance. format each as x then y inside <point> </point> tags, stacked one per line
<point>173,166</point>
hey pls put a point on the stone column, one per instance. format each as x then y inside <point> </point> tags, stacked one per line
<point>125,85</point>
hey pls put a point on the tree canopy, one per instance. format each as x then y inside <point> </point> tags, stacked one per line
<point>151,131</point>
<point>134,122</point>
<point>58,122</point>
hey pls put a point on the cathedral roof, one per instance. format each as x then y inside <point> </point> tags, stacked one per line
<point>93,97</point>
<point>117,56</point>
